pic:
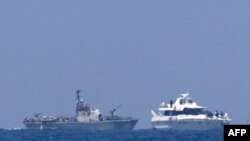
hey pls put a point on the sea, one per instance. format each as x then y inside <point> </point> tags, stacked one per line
<point>135,135</point>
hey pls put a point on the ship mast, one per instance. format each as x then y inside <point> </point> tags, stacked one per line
<point>78,96</point>
<point>79,101</point>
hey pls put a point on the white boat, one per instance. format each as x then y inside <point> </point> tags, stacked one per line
<point>185,114</point>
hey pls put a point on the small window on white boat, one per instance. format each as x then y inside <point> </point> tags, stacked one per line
<point>181,102</point>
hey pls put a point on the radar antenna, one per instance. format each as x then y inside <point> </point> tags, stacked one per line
<point>112,111</point>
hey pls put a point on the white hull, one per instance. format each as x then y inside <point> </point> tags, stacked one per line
<point>205,124</point>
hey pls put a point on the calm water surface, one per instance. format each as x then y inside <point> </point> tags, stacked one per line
<point>136,135</point>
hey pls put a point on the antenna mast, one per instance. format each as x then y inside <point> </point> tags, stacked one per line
<point>99,94</point>
<point>78,98</point>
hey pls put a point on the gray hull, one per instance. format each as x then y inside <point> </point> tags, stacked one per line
<point>90,126</point>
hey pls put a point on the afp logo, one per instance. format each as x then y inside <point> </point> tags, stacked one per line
<point>236,132</point>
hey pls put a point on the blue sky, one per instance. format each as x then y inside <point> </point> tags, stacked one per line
<point>134,53</point>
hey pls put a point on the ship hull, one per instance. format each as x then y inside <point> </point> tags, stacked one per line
<point>189,124</point>
<point>89,126</point>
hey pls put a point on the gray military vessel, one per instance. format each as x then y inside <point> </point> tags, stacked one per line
<point>87,118</point>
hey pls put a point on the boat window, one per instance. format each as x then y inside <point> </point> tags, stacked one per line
<point>181,101</point>
<point>186,111</point>
<point>190,101</point>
